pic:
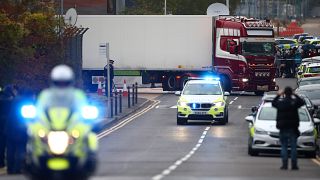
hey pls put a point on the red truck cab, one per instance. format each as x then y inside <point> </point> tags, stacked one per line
<point>244,53</point>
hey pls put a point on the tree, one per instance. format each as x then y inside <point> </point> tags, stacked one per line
<point>29,43</point>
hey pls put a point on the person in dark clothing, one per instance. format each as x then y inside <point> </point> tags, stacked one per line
<point>6,98</point>
<point>288,124</point>
<point>16,132</point>
<point>111,77</point>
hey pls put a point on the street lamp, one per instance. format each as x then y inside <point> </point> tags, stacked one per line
<point>165,7</point>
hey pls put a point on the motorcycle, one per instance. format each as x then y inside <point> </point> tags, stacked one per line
<point>61,143</point>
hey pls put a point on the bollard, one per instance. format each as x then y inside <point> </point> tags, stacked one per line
<point>111,106</point>
<point>133,94</point>
<point>120,101</point>
<point>129,103</point>
<point>116,103</point>
<point>136,93</point>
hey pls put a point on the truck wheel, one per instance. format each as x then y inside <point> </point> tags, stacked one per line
<point>226,83</point>
<point>259,93</point>
<point>183,81</point>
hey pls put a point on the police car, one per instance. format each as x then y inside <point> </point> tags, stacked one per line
<point>202,99</point>
<point>264,136</point>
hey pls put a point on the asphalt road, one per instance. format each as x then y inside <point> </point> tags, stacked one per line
<point>152,146</point>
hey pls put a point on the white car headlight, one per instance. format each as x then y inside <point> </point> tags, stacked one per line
<point>260,131</point>
<point>58,142</point>
<point>308,133</point>
<point>183,103</point>
<point>220,103</point>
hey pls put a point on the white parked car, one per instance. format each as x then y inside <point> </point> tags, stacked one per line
<point>263,134</point>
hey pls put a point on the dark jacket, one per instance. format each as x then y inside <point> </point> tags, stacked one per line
<point>5,107</point>
<point>287,114</point>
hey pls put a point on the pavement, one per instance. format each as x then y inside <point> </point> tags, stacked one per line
<point>148,144</point>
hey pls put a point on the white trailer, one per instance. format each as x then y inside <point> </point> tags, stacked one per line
<point>161,49</point>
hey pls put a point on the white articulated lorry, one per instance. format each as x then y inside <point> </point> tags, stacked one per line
<point>160,49</point>
<point>169,49</point>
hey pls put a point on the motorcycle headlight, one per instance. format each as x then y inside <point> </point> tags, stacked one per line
<point>308,133</point>
<point>182,103</point>
<point>220,103</point>
<point>28,111</point>
<point>260,131</point>
<point>89,112</point>
<point>58,142</point>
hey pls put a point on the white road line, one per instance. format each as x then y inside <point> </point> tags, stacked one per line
<point>157,107</point>
<point>173,167</point>
<point>239,107</point>
<point>231,102</point>
<point>173,107</point>
<point>316,161</point>
<point>235,98</point>
<point>128,120</point>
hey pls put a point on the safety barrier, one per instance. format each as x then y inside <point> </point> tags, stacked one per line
<point>116,100</point>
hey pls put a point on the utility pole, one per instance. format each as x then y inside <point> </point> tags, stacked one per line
<point>165,7</point>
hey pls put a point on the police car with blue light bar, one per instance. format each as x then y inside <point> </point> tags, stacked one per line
<point>202,99</point>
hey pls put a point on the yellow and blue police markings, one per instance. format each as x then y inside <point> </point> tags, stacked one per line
<point>210,106</point>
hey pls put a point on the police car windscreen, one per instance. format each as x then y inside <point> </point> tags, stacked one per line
<point>270,114</point>
<point>202,89</point>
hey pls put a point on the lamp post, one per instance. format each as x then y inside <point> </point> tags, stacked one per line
<point>165,7</point>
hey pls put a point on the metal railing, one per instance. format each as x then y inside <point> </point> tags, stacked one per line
<point>116,100</point>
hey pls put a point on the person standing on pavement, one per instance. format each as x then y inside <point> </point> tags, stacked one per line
<point>111,74</point>
<point>6,98</point>
<point>16,132</point>
<point>288,124</point>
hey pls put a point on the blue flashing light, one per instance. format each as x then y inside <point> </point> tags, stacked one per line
<point>212,78</point>
<point>194,105</point>
<point>28,111</point>
<point>89,112</point>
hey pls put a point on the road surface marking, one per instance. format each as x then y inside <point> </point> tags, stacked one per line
<point>231,102</point>
<point>316,161</point>
<point>128,120</point>
<point>173,167</point>
<point>157,107</point>
<point>235,98</point>
<point>173,107</point>
<point>239,107</point>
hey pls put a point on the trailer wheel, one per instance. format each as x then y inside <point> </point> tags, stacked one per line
<point>171,83</point>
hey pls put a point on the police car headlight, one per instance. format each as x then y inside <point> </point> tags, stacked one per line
<point>28,111</point>
<point>58,142</point>
<point>260,131</point>
<point>89,112</point>
<point>220,103</point>
<point>308,133</point>
<point>183,103</point>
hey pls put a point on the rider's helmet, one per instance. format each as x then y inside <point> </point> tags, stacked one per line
<point>62,76</point>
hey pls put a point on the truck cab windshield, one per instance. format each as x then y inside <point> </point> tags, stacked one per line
<point>258,48</point>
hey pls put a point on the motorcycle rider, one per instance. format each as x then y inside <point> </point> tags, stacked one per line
<point>62,93</point>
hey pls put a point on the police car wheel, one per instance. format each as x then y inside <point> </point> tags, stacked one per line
<point>181,121</point>
<point>259,93</point>
<point>252,152</point>
<point>311,154</point>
